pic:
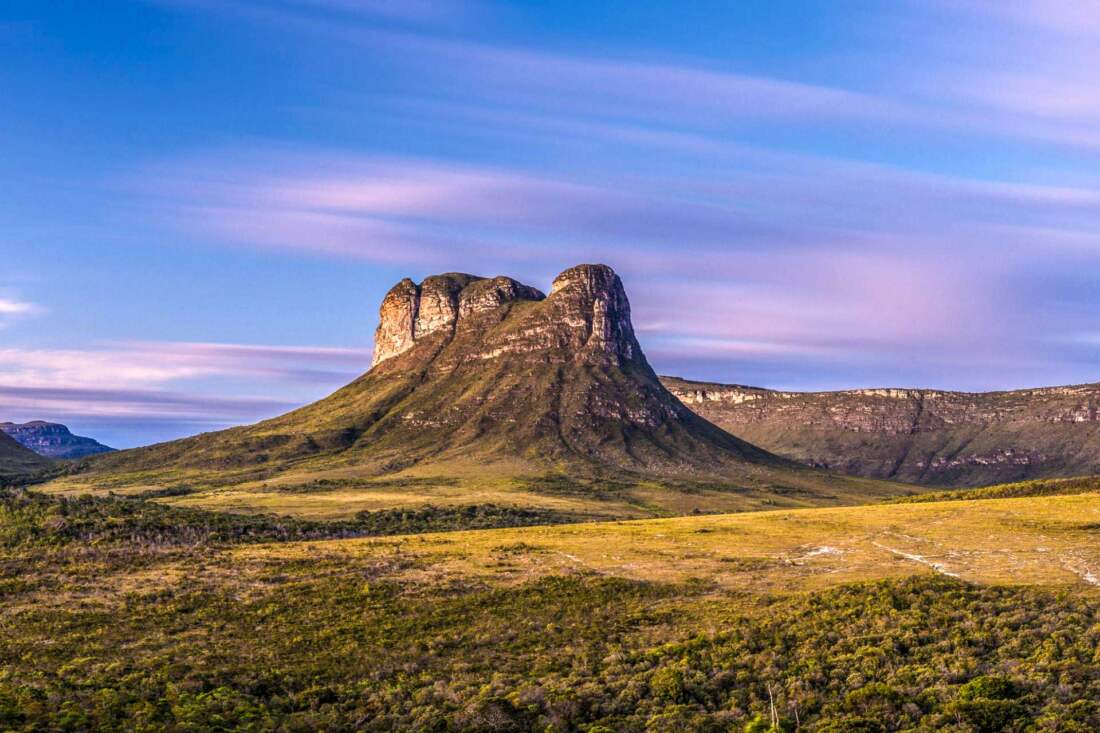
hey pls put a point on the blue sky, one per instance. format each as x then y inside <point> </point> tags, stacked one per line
<point>202,202</point>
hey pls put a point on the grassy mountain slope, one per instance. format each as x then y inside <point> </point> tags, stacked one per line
<point>927,437</point>
<point>17,462</point>
<point>487,389</point>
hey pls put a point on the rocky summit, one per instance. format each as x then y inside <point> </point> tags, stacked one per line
<point>411,312</point>
<point>493,373</point>
<point>53,440</point>
<point>507,370</point>
<point>922,436</point>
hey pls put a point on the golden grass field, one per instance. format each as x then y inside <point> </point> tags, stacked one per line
<point>820,607</point>
<point>335,493</point>
<point>1044,541</point>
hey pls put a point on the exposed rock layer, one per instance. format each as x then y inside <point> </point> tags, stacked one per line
<point>411,312</point>
<point>933,437</point>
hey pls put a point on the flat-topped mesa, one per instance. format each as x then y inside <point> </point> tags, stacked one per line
<point>409,312</point>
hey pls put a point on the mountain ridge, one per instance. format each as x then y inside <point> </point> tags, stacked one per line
<point>929,437</point>
<point>53,440</point>
<point>18,463</point>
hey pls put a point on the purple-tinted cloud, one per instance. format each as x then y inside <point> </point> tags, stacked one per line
<point>415,212</point>
<point>403,211</point>
<point>163,385</point>
<point>786,255</point>
<point>1000,71</point>
<point>153,364</point>
<point>27,403</point>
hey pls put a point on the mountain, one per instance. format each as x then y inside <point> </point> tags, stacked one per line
<point>53,440</point>
<point>488,382</point>
<point>17,462</point>
<point>920,436</point>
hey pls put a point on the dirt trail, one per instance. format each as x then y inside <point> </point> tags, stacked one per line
<point>937,566</point>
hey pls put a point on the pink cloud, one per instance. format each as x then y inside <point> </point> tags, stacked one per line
<point>61,403</point>
<point>157,364</point>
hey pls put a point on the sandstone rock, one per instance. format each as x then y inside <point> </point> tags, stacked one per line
<point>411,312</point>
<point>438,305</point>
<point>396,321</point>
<point>592,301</point>
<point>486,295</point>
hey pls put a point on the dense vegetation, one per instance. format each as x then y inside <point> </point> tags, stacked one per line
<point>1038,487</point>
<point>124,614</point>
<point>320,647</point>
<point>32,518</point>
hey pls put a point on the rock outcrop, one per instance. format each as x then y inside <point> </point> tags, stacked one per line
<point>412,312</point>
<point>933,437</point>
<point>591,301</point>
<point>53,440</point>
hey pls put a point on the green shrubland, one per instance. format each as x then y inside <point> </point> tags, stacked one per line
<point>125,614</point>
<point>1037,487</point>
<point>323,651</point>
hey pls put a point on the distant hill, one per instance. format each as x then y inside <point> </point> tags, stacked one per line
<point>17,462</point>
<point>921,436</point>
<point>53,440</point>
<point>485,383</point>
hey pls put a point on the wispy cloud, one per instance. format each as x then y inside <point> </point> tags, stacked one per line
<point>146,406</point>
<point>1027,62</point>
<point>408,211</point>
<point>154,364</point>
<point>787,254</point>
<point>10,307</point>
<point>162,384</point>
<point>414,212</point>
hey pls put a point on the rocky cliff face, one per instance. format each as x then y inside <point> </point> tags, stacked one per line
<point>412,312</point>
<point>53,440</point>
<point>586,316</point>
<point>932,437</point>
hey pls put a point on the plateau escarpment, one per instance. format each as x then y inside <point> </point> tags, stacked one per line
<point>932,437</point>
<point>495,377</point>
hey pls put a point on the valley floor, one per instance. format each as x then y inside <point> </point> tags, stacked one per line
<point>952,615</point>
<point>340,493</point>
